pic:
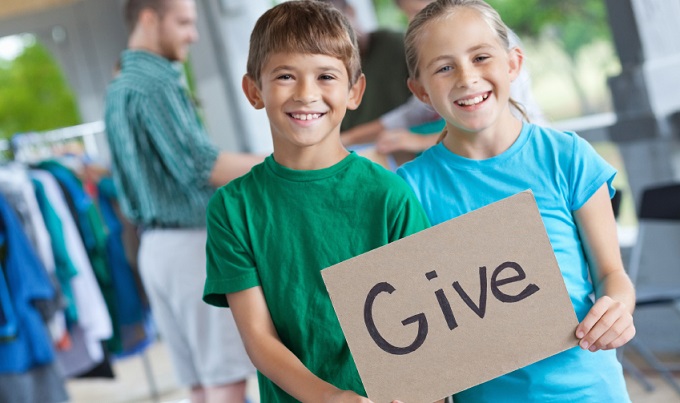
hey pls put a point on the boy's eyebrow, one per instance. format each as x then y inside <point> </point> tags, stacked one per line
<point>286,67</point>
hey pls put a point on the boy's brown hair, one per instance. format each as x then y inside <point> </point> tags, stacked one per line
<point>307,27</point>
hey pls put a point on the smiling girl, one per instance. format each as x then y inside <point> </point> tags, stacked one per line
<point>461,64</point>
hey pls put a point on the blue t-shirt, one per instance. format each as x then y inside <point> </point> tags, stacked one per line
<point>563,171</point>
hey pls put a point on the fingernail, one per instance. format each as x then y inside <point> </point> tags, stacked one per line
<point>584,345</point>
<point>580,334</point>
<point>593,348</point>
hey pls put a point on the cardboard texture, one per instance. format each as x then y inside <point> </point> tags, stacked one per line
<point>404,313</point>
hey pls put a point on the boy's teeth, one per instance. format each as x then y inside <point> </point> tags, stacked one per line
<point>308,116</point>
<point>473,101</point>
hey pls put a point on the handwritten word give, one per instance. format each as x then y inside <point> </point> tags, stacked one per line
<point>478,308</point>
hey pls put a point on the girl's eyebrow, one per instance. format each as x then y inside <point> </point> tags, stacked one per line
<point>475,48</point>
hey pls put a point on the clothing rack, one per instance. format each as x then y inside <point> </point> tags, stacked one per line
<point>21,145</point>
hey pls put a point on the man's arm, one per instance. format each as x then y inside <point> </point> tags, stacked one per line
<point>273,359</point>
<point>229,166</point>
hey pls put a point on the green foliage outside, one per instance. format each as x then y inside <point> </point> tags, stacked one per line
<point>34,95</point>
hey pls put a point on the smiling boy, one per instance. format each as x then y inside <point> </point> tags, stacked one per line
<point>311,204</point>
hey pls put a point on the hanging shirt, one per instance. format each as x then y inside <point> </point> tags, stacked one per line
<point>160,153</point>
<point>28,282</point>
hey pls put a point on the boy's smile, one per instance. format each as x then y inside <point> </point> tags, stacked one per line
<point>306,97</point>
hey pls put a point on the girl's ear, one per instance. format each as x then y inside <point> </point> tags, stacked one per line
<point>356,93</point>
<point>252,91</point>
<point>515,60</point>
<point>418,90</point>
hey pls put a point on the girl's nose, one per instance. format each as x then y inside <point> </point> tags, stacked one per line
<point>467,76</point>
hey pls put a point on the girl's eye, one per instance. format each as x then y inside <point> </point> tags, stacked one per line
<point>445,69</point>
<point>481,58</point>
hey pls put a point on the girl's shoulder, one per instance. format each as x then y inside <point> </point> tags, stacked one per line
<point>556,138</point>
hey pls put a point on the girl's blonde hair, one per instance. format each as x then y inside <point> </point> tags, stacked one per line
<point>441,9</point>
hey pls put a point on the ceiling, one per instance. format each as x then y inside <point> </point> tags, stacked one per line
<point>11,8</point>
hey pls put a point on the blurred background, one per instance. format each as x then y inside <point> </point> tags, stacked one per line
<point>608,69</point>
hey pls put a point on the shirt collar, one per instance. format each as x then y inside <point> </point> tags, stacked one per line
<point>150,63</point>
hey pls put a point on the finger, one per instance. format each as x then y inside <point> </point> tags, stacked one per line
<point>607,328</point>
<point>624,338</point>
<point>605,323</point>
<point>611,334</point>
<point>593,316</point>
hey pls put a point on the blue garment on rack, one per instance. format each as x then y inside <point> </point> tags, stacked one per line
<point>27,281</point>
<point>8,320</point>
<point>134,317</point>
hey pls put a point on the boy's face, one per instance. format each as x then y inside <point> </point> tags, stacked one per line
<point>306,97</point>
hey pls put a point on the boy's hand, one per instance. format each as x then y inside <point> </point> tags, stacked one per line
<point>608,325</point>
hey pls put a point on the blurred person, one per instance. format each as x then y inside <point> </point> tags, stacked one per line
<point>166,170</point>
<point>383,62</point>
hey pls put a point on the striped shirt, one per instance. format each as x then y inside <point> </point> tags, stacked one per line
<point>161,156</point>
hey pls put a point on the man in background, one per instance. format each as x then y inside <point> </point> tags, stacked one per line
<point>166,170</point>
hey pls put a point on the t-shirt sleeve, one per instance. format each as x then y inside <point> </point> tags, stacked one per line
<point>230,265</point>
<point>410,217</point>
<point>589,171</point>
<point>178,136</point>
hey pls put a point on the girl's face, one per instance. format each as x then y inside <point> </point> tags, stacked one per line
<point>465,72</point>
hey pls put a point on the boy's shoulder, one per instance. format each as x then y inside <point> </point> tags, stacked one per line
<point>375,176</point>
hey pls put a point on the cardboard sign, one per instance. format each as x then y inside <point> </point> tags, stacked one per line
<point>453,306</point>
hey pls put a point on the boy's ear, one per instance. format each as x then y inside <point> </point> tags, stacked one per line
<point>356,93</point>
<point>252,92</point>
<point>418,90</point>
<point>515,60</point>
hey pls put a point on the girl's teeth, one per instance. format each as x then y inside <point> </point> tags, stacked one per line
<point>472,101</point>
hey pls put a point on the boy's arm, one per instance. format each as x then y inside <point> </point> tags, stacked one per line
<point>609,323</point>
<point>273,359</point>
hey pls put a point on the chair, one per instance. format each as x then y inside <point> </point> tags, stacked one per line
<point>659,206</point>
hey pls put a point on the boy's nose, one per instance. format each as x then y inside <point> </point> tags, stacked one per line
<point>305,92</point>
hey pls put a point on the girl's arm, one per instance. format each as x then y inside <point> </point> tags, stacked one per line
<point>609,323</point>
<point>273,358</point>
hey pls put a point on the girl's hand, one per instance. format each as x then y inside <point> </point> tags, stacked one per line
<point>608,325</point>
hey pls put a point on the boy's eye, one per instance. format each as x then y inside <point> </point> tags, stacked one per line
<point>284,77</point>
<point>326,77</point>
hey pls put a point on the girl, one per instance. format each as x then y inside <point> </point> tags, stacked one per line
<point>460,63</point>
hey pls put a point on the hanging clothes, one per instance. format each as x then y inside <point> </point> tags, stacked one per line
<point>28,282</point>
<point>92,231</point>
<point>94,322</point>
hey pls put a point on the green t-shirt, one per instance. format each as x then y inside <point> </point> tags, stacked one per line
<point>278,228</point>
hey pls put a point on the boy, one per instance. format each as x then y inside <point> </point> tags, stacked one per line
<point>308,206</point>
